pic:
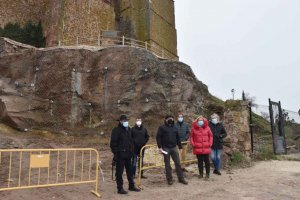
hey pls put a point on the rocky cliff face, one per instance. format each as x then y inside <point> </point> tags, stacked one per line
<point>87,89</point>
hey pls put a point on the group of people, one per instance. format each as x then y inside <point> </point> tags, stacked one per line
<point>206,138</point>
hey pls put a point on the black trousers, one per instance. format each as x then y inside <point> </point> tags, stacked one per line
<point>172,152</point>
<point>121,163</point>
<point>203,158</point>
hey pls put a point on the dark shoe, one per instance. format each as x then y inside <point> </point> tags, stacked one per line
<point>122,191</point>
<point>218,172</point>
<point>143,177</point>
<point>183,181</point>
<point>135,189</point>
<point>170,182</point>
<point>200,176</point>
<point>206,177</point>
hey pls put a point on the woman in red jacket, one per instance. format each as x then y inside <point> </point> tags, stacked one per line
<point>201,139</point>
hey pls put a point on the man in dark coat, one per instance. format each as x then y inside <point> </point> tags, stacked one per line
<point>167,139</point>
<point>219,134</point>
<point>184,134</point>
<point>140,138</point>
<point>121,145</point>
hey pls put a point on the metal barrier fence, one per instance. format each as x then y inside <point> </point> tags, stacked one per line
<point>154,159</point>
<point>106,41</point>
<point>36,168</point>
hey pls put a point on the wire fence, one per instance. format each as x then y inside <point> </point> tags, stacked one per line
<point>262,129</point>
<point>106,41</point>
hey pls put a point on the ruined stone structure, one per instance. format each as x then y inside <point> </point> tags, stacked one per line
<point>66,20</point>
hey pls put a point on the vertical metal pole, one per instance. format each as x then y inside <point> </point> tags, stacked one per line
<point>57,165</point>
<point>123,40</point>
<point>281,128</point>
<point>272,124</point>
<point>20,170</point>
<point>9,173</point>
<point>77,42</point>
<point>99,40</point>
<point>146,45</point>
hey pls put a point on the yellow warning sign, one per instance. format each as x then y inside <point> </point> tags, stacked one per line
<point>39,161</point>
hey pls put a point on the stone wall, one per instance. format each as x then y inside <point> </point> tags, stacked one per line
<point>152,21</point>
<point>85,20</point>
<point>236,121</point>
<point>63,20</point>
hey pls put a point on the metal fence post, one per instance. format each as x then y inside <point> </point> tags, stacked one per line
<point>99,40</point>
<point>146,45</point>
<point>77,41</point>
<point>123,40</point>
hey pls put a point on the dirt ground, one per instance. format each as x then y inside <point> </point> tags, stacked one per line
<point>265,180</point>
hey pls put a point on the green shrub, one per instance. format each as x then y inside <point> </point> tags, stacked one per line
<point>31,33</point>
<point>237,159</point>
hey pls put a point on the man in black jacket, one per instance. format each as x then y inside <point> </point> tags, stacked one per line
<point>121,145</point>
<point>219,134</point>
<point>140,138</point>
<point>167,138</point>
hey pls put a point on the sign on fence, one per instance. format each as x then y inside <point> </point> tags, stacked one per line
<point>35,168</point>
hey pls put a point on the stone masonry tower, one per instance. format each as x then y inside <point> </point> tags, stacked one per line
<point>71,21</point>
<point>148,20</point>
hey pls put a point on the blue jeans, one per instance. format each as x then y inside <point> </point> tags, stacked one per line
<point>216,158</point>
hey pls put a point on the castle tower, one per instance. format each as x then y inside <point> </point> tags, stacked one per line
<point>148,20</point>
<point>74,21</point>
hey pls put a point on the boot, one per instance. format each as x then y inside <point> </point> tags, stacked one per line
<point>122,191</point>
<point>170,182</point>
<point>200,176</point>
<point>206,177</point>
<point>133,188</point>
<point>183,181</point>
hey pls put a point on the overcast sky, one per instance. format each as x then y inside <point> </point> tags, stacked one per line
<point>251,45</point>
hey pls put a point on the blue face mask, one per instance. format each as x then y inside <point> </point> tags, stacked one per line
<point>125,124</point>
<point>200,123</point>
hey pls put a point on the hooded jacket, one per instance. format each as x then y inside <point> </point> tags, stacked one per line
<point>201,138</point>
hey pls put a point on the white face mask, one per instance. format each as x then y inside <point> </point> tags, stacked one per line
<point>214,121</point>
<point>180,119</point>
<point>138,123</point>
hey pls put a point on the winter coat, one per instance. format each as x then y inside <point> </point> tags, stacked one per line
<point>140,137</point>
<point>121,142</point>
<point>219,134</point>
<point>167,136</point>
<point>201,138</point>
<point>183,131</point>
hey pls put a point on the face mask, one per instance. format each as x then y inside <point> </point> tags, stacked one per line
<point>125,124</point>
<point>214,121</point>
<point>200,123</point>
<point>180,119</point>
<point>138,123</point>
<point>170,121</point>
